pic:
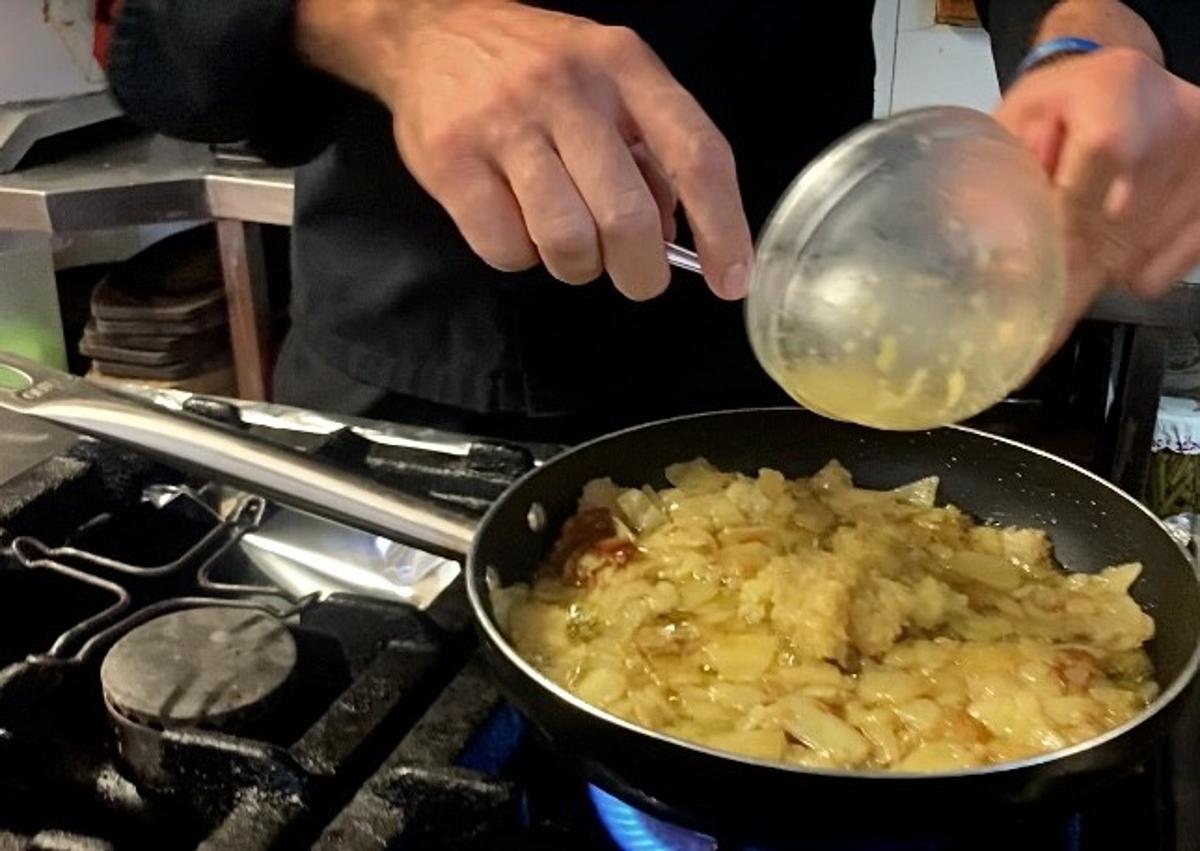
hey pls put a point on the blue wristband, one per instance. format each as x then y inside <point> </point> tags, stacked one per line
<point>1055,47</point>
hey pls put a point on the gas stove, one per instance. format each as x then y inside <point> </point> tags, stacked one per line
<point>183,665</point>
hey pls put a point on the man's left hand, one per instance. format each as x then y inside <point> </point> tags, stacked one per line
<point>1119,137</point>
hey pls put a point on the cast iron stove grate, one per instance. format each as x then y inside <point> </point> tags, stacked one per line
<point>155,693</point>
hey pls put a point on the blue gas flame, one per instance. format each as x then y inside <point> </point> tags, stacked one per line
<point>633,830</point>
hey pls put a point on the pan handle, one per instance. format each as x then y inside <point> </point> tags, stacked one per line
<point>281,474</point>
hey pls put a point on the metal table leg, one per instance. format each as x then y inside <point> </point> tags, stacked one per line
<point>1123,452</point>
<point>249,311</point>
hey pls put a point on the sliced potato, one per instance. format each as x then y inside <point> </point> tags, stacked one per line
<point>922,492</point>
<point>601,686</point>
<point>883,685</point>
<point>740,696</point>
<point>922,715</point>
<point>640,511</point>
<point>743,658</point>
<point>822,731</point>
<point>939,756</point>
<point>994,571</point>
<point>877,725</point>
<point>695,593</point>
<point>696,704</point>
<point>696,477</point>
<point>599,493</point>
<point>763,744</point>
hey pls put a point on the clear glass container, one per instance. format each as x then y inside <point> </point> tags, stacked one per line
<point>911,276</point>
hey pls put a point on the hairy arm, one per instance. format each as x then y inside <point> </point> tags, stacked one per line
<point>547,137</point>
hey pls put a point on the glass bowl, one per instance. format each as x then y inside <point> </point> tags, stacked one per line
<point>911,276</point>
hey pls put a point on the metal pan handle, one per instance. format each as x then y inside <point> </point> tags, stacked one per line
<point>203,447</point>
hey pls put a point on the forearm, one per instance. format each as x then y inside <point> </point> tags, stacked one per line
<point>342,38</point>
<point>363,42</point>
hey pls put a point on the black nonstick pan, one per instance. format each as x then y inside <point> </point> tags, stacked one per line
<point>1092,525</point>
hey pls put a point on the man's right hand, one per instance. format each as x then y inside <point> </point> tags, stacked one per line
<point>545,136</point>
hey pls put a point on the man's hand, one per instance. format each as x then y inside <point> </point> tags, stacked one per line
<point>1120,138</point>
<point>545,136</point>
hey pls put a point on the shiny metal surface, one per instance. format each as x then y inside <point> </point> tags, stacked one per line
<point>25,443</point>
<point>288,418</point>
<point>195,444</point>
<point>22,125</point>
<point>683,258</point>
<point>303,554</point>
<point>144,180</point>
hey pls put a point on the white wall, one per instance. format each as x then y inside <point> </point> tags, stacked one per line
<point>45,50</point>
<point>926,63</point>
<point>884,31</point>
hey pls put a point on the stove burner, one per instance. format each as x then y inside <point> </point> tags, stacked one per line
<point>633,830</point>
<point>212,666</point>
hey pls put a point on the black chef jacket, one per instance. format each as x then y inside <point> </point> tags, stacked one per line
<point>389,302</point>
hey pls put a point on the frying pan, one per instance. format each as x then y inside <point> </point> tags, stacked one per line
<point>1092,525</point>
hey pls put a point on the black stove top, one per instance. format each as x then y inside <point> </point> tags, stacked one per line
<point>158,690</point>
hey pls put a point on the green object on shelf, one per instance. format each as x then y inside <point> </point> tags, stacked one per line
<point>1174,483</point>
<point>44,345</point>
<point>30,321</point>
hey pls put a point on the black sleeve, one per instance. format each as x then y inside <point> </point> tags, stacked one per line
<point>221,71</point>
<point>1177,25</point>
<point>1013,24</point>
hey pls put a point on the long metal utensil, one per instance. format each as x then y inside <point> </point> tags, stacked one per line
<point>683,258</point>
